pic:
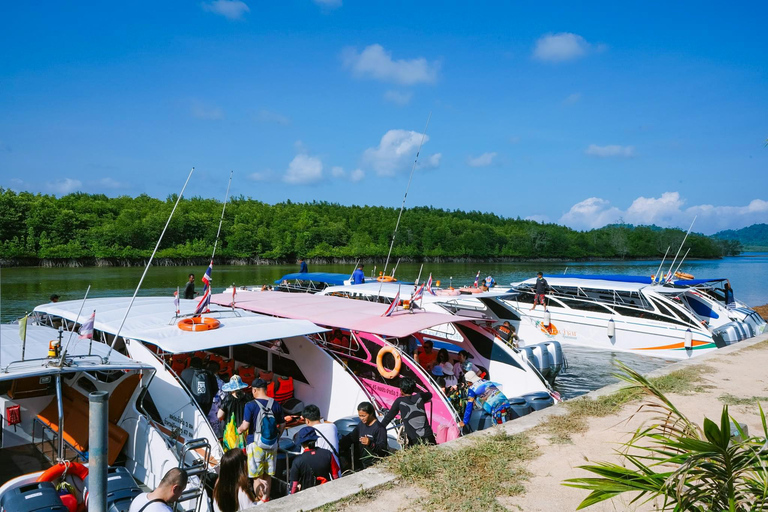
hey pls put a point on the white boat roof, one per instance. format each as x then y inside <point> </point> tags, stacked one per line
<point>36,360</point>
<point>153,320</point>
<point>390,289</point>
<point>587,283</point>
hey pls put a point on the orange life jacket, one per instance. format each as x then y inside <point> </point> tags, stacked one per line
<point>247,373</point>
<point>284,390</point>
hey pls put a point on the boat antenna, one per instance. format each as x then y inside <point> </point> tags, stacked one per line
<point>657,277</point>
<point>221,220</point>
<point>682,260</point>
<point>402,206</point>
<point>72,331</point>
<point>681,246</point>
<point>396,265</point>
<point>419,276</point>
<point>355,268</point>
<point>157,245</point>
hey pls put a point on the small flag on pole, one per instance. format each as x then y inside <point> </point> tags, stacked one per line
<point>418,294</point>
<point>477,278</point>
<point>23,328</point>
<point>234,292</point>
<point>86,330</point>
<point>392,307</point>
<point>205,300</point>
<point>176,301</point>
<point>429,285</point>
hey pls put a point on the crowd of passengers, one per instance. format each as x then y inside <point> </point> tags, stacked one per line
<point>258,406</point>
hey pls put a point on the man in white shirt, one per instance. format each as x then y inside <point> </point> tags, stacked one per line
<point>328,434</point>
<point>167,493</point>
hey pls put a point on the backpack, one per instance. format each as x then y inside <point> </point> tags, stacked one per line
<point>200,387</point>
<point>266,433</point>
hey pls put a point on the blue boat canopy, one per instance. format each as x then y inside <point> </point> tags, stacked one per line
<point>636,279</point>
<point>318,277</point>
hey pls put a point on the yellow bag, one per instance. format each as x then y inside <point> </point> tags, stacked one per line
<point>231,438</point>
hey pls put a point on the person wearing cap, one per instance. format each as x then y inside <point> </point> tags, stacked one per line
<point>540,289</point>
<point>235,401</point>
<point>329,434</point>
<point>464,365</point>
<point>485,395</point>
<point>315,466</point>
<point>410,405</point>
<point>261,461</point>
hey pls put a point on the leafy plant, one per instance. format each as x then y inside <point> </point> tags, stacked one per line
<point>686,466</point>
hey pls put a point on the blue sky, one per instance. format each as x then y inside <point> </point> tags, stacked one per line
<point>572,113</point>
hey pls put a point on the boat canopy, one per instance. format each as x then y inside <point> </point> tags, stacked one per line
<point>81,354</point>
<point>319,277</point>
<point>634,279</point>
<point>153,320</point>
<point>355,315</point>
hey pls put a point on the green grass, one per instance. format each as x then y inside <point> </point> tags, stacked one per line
<point>467,478</point>
<point>559,429</point>
<point>732,400</point>
<point>362,496</point>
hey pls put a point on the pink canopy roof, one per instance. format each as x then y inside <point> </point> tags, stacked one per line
<point>356,315</point>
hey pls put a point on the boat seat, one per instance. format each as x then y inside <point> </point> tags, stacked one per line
<point>76,414</point>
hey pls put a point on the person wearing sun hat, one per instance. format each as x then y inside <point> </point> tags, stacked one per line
<point>314,466</point>
<point>235,400</point>
<point>484,395</point>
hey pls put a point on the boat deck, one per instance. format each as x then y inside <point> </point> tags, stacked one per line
<point>21,460</point>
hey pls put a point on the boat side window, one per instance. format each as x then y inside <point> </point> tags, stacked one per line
<point>499,310</point>
<point>584,305</point>
<point>644,314</point>
<point>673,312</point>
<point>287,367</point>
<point>524,297</point>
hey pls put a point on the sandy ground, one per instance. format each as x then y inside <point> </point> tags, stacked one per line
<point>741,374</point>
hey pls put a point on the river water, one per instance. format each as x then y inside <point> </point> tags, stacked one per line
<point>24,288</point>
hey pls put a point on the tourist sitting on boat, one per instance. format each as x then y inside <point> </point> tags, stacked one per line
<point>730,301</point>
<point>315,466</point>
<point>201,384</point>
<point>234,402</point>
<point>327,432</point>
<point>490,282</point>
<point>508,334</point>
<point>443,362</point>
<point>410,405</point>
<point>338,339</point>
<point>486,396</point>
<point>233,491</point>
<point>464,365</point>
<point>358,276</point>
<point>167,493</point>
<point>368,440</point>
<point>426,355</point>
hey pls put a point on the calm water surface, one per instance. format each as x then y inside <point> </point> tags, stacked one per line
<point>24,288</point>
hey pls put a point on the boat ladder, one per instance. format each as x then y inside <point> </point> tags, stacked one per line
<point>194,459</point>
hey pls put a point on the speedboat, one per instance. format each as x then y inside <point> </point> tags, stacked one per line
<point>546,355</point>
<point>45,380</point>
<point>623,313</point>
<point>376,351</point>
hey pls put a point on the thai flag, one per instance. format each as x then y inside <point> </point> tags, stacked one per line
<point>477,278</point>
<point>176,302</point>
<point>205,300</point>
<point>418,294</point>
<point>429,285</point>
<point>86,330</point>
<point>392,307</point>
<point>234,292</point>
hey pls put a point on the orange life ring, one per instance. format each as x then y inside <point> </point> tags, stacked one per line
<point>386,279</point>
<point>683,275</point>
<point>70,468</point>
<point>198,323</point>
<point>394,372</point>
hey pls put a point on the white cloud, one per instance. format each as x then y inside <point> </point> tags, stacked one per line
<point>62,187</point>
<point>230,9</point>
<point>338,172</point>
<point>265,175</point>
<point>432,162</point>
<point>328,4</point>
<point>303,170</point>
<point>398,97</point>
<point>376,63</point>
<point>396,151</point>
<point>200,110</point>
<point>357,175</point>
<point>665,211</point>
<point>267,116</point>
<point>483,160</point>
<point>609,151</point>
<point>111,183</point>
<point>561,47</point>
<point>572,98</point>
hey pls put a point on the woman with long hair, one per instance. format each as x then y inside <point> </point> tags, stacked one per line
<point>233,490</point>
<point>445,364</point>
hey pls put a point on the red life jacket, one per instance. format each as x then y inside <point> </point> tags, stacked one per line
<point>284,390</point>
<point>247,373</point>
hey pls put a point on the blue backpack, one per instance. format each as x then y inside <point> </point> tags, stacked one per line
<point>266,433</point>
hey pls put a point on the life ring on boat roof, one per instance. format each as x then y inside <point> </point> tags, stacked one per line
<point>386,279</point>
<point>198,323</point>
<point>58,471</point>
<point>394,372</point>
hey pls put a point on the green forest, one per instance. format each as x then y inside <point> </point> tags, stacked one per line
<point>90,227</point>
<point>754,237</point>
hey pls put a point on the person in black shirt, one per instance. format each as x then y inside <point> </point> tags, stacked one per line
<point>189,289</point>
<point>234,402</point>
<point>368,439</point>
<point>539,289</point>
<point>314,466</point>
<point>410,406</point>
<point>201,383</point>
